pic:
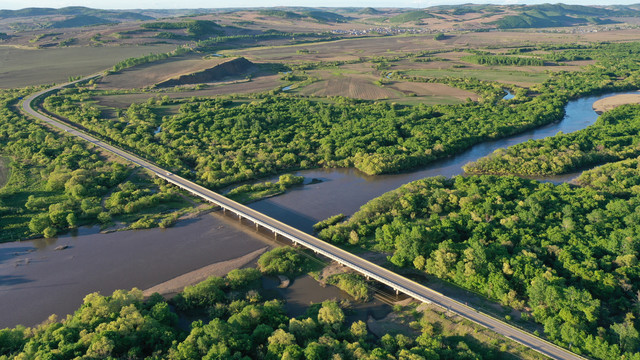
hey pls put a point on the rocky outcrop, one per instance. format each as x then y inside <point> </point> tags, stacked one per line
<point>232,67</point>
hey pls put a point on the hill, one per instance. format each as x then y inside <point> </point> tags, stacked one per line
<point>112,15</point>
<point>80,21</point>
<point>411,16</point>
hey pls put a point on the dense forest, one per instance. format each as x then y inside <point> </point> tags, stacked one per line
<point>226,141</point>
<point>58,183</point>
<point>613,137</point>
<point>234,321</point>
<point>621,178</point>
<point>569,254</point>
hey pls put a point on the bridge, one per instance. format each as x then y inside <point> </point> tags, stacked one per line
<point>396,282</point>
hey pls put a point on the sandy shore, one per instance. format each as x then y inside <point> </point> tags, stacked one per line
<point>612,102</point>
<point>176,284</point>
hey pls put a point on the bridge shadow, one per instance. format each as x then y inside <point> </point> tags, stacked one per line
<point>286,215</point>
<point>10,280</point>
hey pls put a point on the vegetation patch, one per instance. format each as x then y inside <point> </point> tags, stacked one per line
<point>353,284</point>
<point>248,193</point>
<point>5,170</point>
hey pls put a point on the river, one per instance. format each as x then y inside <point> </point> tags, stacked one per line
<point>36,280</point>
<point>345,190</point>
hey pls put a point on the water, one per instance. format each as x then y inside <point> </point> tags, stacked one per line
<point>345,190</point>
<point>286,88</point>
<point>508,96</point>
<point>157,131</point>
<point>36,280</point>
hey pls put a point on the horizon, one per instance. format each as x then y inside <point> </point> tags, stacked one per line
<point>236,4</point>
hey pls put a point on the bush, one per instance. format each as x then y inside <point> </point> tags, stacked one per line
<point>353,284</point>
<point>284,260</point>
<point>204,294</point>
<point>241,278</point>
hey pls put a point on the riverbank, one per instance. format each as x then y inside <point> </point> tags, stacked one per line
<point>613,102</point>
<point>177,284</point>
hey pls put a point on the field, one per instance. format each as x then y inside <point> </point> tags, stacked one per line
<point>24,67</point>
<point>364,84</point>
<point>257,84</point>
<point>516,77</point>
<point>5,171</point>
<point>153,73</point>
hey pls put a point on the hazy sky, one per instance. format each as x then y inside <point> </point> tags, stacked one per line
<point>187,4</point>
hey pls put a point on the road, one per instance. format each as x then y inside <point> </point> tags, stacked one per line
<point>385,276</point>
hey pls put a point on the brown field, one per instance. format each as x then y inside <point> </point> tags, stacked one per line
<point>257,84</point>
<point>358,81</point>
<point>24,67</point>
<point>613,102</point>
<point>153,73</point>
<point>433,90</point>
<point>349,49</point>
<point>357,86</point>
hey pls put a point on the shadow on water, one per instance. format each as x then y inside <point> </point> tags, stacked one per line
<point>304,291</point>
<point>9,280</point>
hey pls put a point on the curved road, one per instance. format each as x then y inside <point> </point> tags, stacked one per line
<point>387,277</point>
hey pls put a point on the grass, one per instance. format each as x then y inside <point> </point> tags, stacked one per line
<point>505,76</point>
<point>5,170</point>
<point>25,67</point>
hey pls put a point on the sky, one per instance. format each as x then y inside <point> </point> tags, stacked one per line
<point>192,4</point>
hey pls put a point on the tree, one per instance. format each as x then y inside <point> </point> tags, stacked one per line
<point>331,315</point>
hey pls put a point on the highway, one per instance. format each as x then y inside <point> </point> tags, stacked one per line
<point>397,282</point>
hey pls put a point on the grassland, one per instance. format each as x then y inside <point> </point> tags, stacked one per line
<point>5,171</point>
<point>24,67</point>
<point>520,78</point>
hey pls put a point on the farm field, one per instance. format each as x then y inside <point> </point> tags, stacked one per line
<point>153,73</point>
<point>366,86</point>
<point>255,85</point>
<point>24,67</point>
<point>515,77</point>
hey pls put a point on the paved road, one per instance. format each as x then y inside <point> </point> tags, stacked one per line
<point>395,281</point>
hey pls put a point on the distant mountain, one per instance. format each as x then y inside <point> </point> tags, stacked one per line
<point>325,16</point>
<point>555,15</point>
<point>369,11</point>
<point>80,21</point>
<point>281,14</point>
<point>112,15</point>
<point>411,16</point>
